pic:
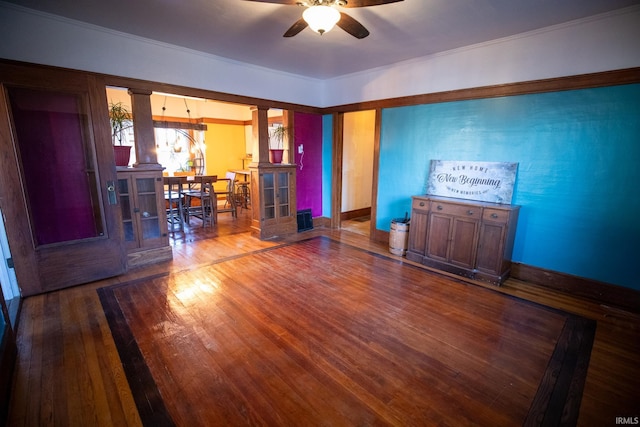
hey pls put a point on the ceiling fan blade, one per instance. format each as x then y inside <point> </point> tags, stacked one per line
<point>298,26</point>
<point>352,26</point>
<point>294,2</point>
<point>365,3</point>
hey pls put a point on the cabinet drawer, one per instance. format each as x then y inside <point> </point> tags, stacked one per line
<point>456,210</point>
<point>420,204</point>
<point>495,215</point>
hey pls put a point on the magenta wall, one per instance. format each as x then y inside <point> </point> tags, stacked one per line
<point>308,132</point>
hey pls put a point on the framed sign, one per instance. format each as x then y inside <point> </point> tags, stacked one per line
<point>482,181</point>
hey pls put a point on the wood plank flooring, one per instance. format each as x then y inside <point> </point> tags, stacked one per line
<point>69,371</point>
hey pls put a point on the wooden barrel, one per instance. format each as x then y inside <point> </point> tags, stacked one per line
<point>399,237</point>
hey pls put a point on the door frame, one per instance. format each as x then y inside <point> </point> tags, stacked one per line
<point>8,355</point>
<point>336,175</point>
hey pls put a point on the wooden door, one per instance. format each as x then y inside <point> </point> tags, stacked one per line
<point>57,179</point>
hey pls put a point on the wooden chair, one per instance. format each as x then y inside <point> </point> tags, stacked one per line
<point>228,194</point>
<point>200,200</point>
<point>242,194</point>
<point>174,199</point>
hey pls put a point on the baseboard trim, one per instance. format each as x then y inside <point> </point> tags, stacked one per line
<point>322,221</point>
<point>381,235</point>
<point>602,292</point>
<point>357,213</point>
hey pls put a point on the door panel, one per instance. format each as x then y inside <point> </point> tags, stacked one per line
<point>438,236</point>
<point>490,256</point>
<point>57,165</point>
<point>463,242</point>
<point>60,160</point>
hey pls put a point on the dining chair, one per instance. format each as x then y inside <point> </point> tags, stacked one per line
<point>242,194</point>
<point>228,194</point>
<point>200,200</point>
<point>174,202</point>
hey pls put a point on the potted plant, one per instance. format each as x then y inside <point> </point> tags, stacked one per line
<point>120,119</point>
<point>276,143</point>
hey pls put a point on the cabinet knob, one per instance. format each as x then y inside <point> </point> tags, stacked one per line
<point>470,212</point>
<point>439,207</point>
<point>421,203</point>
<point>494,215</point>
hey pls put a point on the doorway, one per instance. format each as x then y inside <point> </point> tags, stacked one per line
<point>357,171</point>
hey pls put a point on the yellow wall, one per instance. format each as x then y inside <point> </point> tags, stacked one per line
<point>357,166</point>
<point>225,148</point>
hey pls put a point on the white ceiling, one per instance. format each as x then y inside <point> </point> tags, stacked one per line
<point>251,32</point>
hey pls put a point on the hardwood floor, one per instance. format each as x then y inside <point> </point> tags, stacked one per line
<point>69,371</point>
<point>358,225</point>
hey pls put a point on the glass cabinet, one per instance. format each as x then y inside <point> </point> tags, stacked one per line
<point>276,200</point>
<point>141,198</point>
<point>276,195</point>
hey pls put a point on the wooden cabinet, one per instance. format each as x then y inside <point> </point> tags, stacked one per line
<point>144,217</point>
<point>274,204</point>
<point>473,239</point>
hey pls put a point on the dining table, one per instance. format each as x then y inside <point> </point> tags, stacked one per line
<point>176,187</point>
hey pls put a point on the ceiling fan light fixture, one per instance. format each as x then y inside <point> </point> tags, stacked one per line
<point>321,19</point>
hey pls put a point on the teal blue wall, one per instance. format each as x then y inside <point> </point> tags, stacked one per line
<point>577,183</point>
<point>327,155</point>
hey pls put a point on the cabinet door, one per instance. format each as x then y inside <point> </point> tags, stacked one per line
<point>464,241</point>
<point>418,232</point>
<point>126,204</point>
<point>276,194</point>
<point>282,195</point>
<point>438,236</point>
<point>268,195</point>
<point>142,217</point>
<point>491,248</point>
<point>147,211</point>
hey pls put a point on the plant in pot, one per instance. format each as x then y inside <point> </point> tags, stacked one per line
<point>276,143</point>
<point>120,119</point>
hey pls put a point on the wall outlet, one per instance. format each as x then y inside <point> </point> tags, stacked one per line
<point>300,149</point>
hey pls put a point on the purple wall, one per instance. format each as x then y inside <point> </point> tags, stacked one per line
<point>308,132</point>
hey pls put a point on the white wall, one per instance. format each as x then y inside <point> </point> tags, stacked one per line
<point>32,36</point>
<point>604,42</point>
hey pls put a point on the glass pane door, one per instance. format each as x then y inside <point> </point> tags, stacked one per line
<point>57,165</point>
<point>149,219</point>
<point>269,194</point>
<point>283,194</point>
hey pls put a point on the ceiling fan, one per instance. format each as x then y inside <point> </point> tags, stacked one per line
<point>322,15</point>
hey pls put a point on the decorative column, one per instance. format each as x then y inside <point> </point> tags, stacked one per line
<point>260,128</point>
<point>143,131</point>
<point>273,187</point>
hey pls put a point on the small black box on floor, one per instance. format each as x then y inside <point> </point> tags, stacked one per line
<point>305,222</point>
